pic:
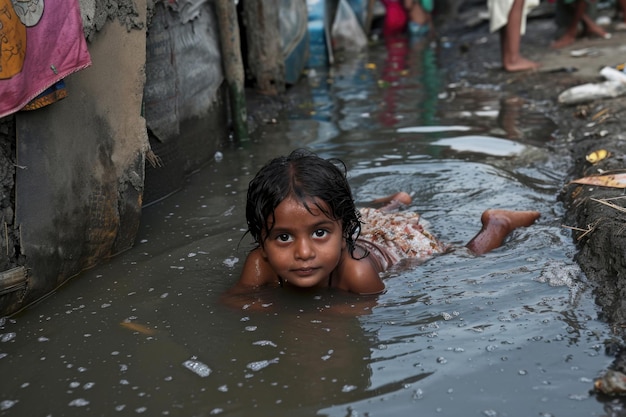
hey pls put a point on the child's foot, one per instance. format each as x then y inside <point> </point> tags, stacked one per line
<point>520,64</point>
<point>497,224</point>
<point>593,29</point>
<point>509,219</point>
<point>563,41</point>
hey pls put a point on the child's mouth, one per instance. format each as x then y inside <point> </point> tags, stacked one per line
<point>304,272</point>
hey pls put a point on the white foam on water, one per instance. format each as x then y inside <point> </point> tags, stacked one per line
<point>197,367</point>
<point>432,129</point>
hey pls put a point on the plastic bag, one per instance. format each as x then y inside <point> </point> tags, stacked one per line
<point>347,33</point>
<point>614,86</point>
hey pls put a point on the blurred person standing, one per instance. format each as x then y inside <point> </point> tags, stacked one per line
<point>509,18</point>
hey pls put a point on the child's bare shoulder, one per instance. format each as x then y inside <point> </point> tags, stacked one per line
<point>256,271</point>
<point>360,275</point>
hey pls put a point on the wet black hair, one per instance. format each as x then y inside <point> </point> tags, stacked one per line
<point>305,177</point>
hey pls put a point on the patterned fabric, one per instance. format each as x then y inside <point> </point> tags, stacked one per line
<point>398,235</point>
<point>39,46</point>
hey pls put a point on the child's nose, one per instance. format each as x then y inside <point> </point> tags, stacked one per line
<point>304,249</point>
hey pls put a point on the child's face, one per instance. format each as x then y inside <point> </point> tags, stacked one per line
<point>303,247</point>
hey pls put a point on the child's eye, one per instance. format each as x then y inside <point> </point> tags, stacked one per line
<point>283,237</point>
<point>320,233</point>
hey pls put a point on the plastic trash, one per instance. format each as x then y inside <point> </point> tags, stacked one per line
<point>347,33</point>
<point>614,86</point>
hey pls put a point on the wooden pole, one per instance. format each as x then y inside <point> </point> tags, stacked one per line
<point>265,55</point>
<point>233,65</point>
<point>369,17</point>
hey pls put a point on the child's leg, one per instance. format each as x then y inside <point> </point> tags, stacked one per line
<point>569,36</point>
<point>622,6</point>
<point>497,224</point>
<point>510,39</point>
<point>592,28</point>
<point>417,14</point>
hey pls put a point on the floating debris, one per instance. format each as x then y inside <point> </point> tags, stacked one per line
<point>197,367</point>
<point>611,383</point>
<point>257,366</point>
<point>137,327</point>
<point>231,261</point>
<point>609,180</point>
<point>597,156</point>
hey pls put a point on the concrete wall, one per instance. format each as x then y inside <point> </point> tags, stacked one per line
<point>75,175</point>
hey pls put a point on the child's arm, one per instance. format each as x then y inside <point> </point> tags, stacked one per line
<point>256,272</point>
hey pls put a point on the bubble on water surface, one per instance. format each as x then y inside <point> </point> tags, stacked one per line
<point>6,404</point>
<point>230,261</point>
<point>558,274</point>
<point>348,388</point>
<point>418,394</point>
<point>449,316</point>
<point>197,367</point>
<point>264,343</point>
<point>79,402</point>
<point>7,337</point>
<point>257,366</point>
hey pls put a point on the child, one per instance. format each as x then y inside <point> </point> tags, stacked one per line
<point>420,18</point>
<point>302,216</point>
<point>509,17</point>
<point>622,7</point>
<point>579,15</point>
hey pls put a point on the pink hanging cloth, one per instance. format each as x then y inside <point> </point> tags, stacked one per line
<point>42,43</point>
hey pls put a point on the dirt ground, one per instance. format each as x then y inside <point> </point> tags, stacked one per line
<point>595,214</point>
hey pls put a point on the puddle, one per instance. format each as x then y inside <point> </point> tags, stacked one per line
<point>513,330</point>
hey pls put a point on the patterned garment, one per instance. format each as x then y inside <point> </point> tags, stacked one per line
<point>396,236</point>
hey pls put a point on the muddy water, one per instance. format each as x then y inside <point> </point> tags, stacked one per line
<point>511,333</point>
